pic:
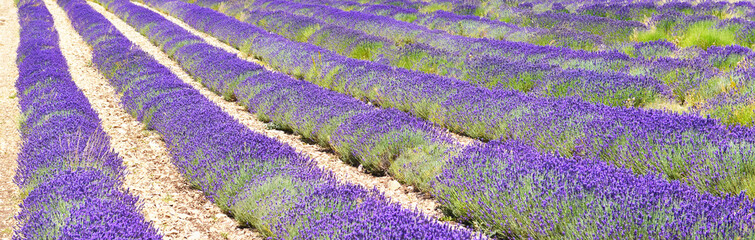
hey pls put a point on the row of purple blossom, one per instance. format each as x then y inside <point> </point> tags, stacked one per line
<point>261,182</point>
<point>496,194</point>
<point>69,178</point>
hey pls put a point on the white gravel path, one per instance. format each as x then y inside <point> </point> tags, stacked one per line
<point>10,138</point>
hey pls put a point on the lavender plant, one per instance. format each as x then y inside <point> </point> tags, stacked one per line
<point>513,191</point>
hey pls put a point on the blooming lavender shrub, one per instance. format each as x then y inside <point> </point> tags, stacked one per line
<point>513,191</point>
<point>261,182</point>
<point>69,177</point>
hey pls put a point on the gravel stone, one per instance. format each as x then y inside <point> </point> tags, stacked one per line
<point>10,138</point>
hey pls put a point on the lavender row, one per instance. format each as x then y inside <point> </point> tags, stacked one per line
<point>381,140</point>
<point>540,79</point>
<point>406,32</point>
<point>707,25</point>
<point>701,31</point>
<point>512,190</point>
<point>700,151</point>
<point>69,177</point>
<point>362,134</point>
<point>211,66</point>
<point>261,182</point>
<point>728,97</point>
<point>613,32</point>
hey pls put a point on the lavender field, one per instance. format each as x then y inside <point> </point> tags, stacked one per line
<point>377,119</point>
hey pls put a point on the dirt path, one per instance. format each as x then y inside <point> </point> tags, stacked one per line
<point>10,138</point>
<point>404,195</point>
<point>178,211</point>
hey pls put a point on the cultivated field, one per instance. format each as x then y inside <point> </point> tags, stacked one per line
<point>377,119</point>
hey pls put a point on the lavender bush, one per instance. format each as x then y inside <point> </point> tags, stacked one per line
<point>513,191</point>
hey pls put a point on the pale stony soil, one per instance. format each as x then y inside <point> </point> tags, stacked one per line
<point>10,138</point>
<point>391,188</point>
<point>178,211</point>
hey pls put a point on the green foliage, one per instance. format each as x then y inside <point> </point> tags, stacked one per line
<point>366,50</point>
<point>629,51</point>
<point>524,81</point>
<point>261,208</point>
<point>420,166</point>
<point>652,35</point>
<point>728,63</point>
<point>409,59</point>
<point>743,115</point>
<point>434,7</point>
<point>704,34</point>
<point>677,167</point>
<point>378,155</point>
<point>405,17</point>
<point>303,34</point>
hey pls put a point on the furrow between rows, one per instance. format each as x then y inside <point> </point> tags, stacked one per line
<point>10,139</point>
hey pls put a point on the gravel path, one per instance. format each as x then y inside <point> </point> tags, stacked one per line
<point>391,188</point>
<point>178,211</point>
<point>10,138</point>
